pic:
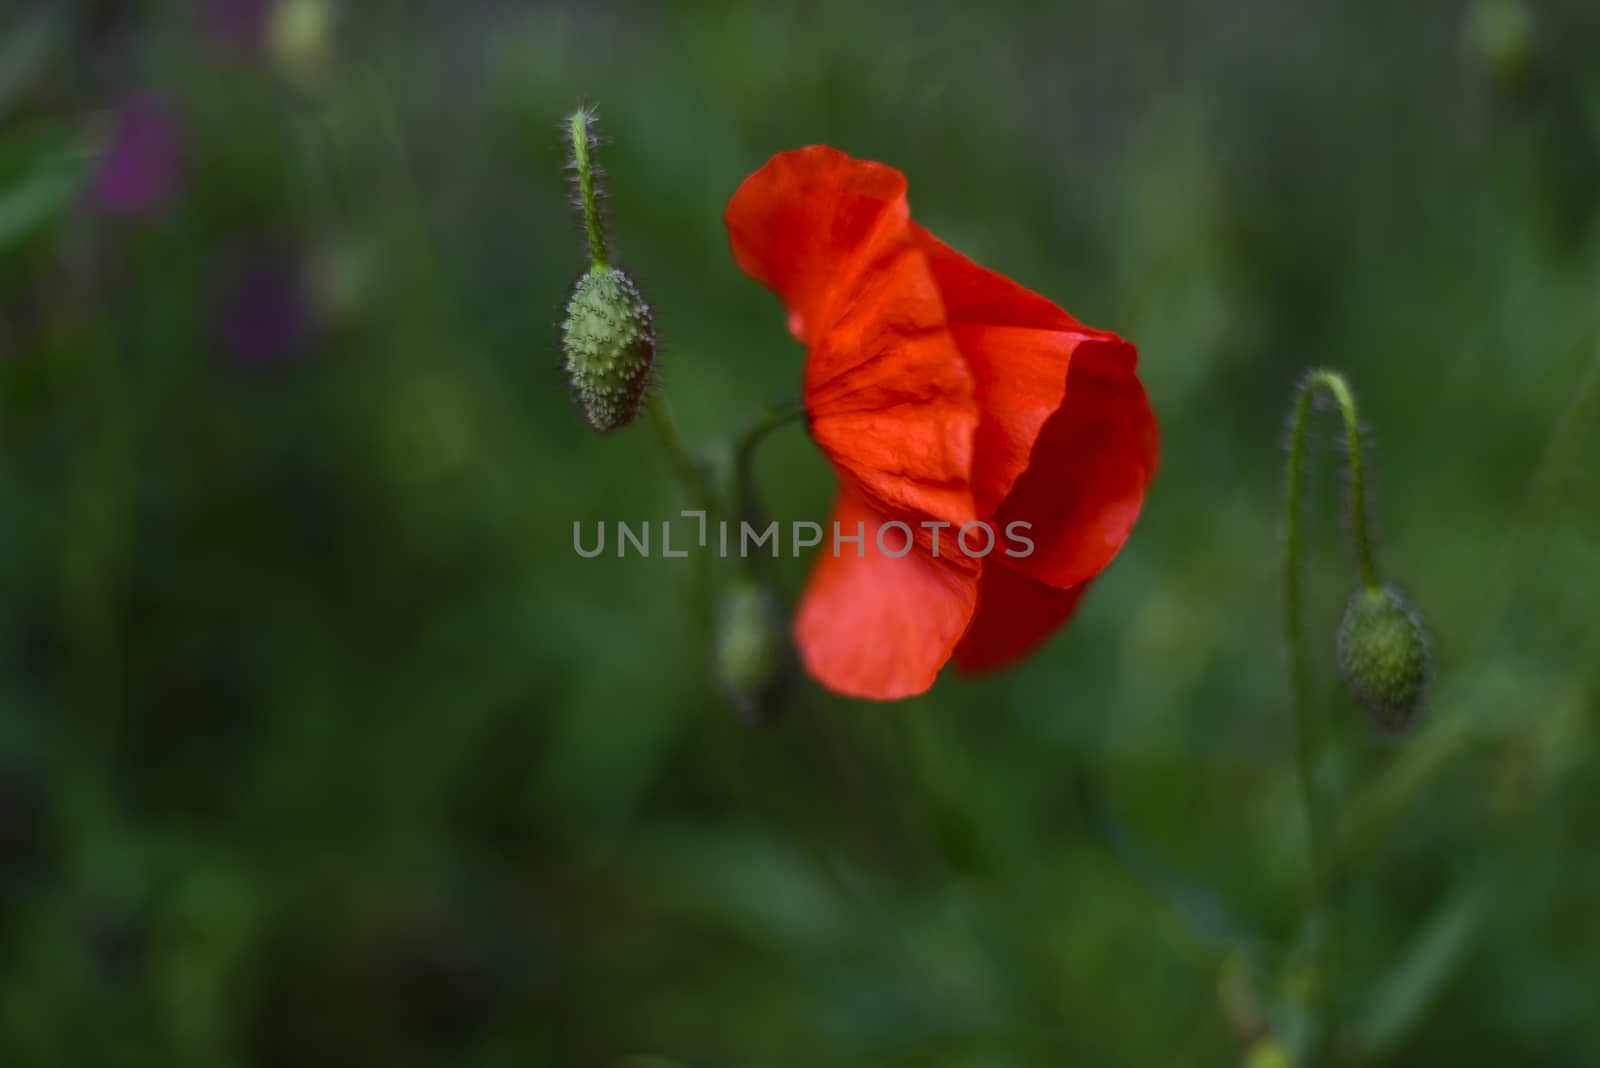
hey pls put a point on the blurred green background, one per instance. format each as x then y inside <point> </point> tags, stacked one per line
<point>319,745</point>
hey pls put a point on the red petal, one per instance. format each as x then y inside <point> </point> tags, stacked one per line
<point>1018,346</point>
<point>1085,483</point>
<point>889,394</point>
<point>1015,614</point>
<point>803,223</point>
<point>897,416</point>
<point>875,625</point>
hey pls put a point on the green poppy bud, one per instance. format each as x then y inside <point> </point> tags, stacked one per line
<point>1267,1054</point>
<point>610,346</point>
<point>1383,652</point>
<point>299,37</point>
<point>608,335</point>
<point>752,649</point>
<point>1499,39</point>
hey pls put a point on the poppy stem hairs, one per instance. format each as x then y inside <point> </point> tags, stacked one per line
<point>608,335</point>
<point>580,136</point>
<point>1382,651</point>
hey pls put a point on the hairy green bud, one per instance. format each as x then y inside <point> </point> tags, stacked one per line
<point>1383,652</point>
<point>610,346</point>
<point>608,336</point>
<point>752,650</point>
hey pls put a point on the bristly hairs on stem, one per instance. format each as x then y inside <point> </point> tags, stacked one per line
<point>1383,653</point>
<point>608,335</point>
<point>1308,727</point>
<point>583,144</point>
<point>1334,385</point>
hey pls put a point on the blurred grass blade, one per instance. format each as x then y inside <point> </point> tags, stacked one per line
<point>1210,918</point>
<point>26,45</point>
<point>1589,97</point>
<point>40,174</point>
<point>1374,812</point>
<point>1397,1004</point>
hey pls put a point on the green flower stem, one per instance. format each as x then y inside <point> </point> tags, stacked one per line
<point>690,472</point>
<point>747,506</point>
<point>578,126</point>
<point>746,498</point>
<point>1308,725</point>
<point>1335,385</point>
<point>694,474</point>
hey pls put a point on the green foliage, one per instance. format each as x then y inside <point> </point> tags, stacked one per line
<point>41,171</point>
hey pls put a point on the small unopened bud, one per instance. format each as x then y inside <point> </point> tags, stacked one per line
<point>1383,652</point>
<point>752,650</point>
<point>610,344</point>
<point>1267,1054</point>
<point>1499,39</point>
<point>300,38</point>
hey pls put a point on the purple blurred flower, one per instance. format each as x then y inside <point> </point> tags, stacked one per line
<point>263,307</point>
<point>143,166</point>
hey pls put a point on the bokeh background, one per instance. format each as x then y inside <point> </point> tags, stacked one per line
<point>319,744</point>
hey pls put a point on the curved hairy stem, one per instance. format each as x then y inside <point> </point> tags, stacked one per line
<point>1308,725</point>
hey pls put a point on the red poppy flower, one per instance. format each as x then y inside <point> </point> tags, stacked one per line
<point>942,393</point>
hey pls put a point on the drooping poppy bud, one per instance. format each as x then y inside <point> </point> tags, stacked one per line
<point>752,649</point>
<point>1383,652</point>
<point>610,345</point>
<point>608,335</point>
